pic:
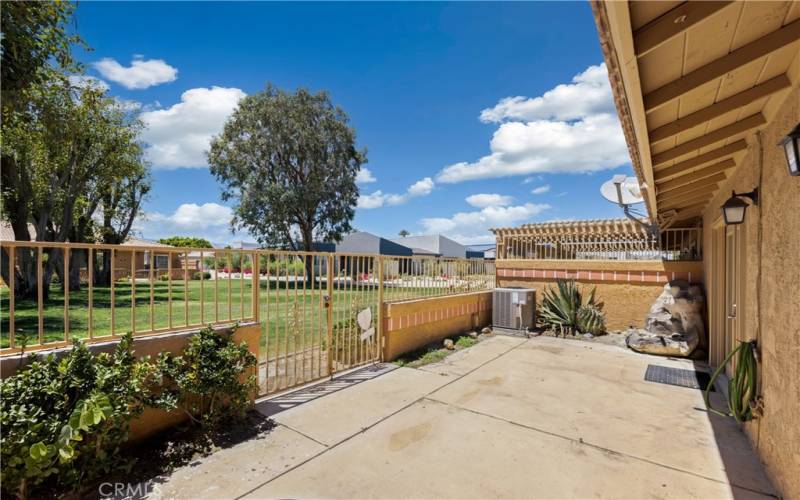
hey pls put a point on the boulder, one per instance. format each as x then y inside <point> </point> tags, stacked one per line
<point>674,326</point>
<point>486,330</point>
<point>473,334</point>
<point>448,344</point>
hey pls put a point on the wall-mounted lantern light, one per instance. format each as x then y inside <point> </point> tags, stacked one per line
<point>791,146</point>
<point>733,210</point>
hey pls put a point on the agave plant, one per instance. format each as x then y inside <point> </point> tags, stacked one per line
<point>564,310</point>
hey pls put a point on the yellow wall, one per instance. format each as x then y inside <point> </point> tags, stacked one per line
<point>411,324</point>
<point>627,288</point>
<point>770,306</point>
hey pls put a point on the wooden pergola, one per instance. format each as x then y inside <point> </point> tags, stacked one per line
<point>693,83</point>
<point>617,239</point>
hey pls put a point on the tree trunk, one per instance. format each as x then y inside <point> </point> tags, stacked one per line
<point>308,245</point>
<point>102,272</point>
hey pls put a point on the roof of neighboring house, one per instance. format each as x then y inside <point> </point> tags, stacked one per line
<point>693,83</point>
<point>139,242</point>
<point>434,243</point>
<point>482,248</point>
<point>422,251</point>
<point>363,242</point>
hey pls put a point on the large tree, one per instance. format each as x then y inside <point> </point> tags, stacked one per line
<point>35,50</point>
<point>289,161</point>
<point>186,241</point>
<point>77,174</point>
<point>72,165</point>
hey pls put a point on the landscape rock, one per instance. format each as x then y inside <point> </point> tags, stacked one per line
<point>448,344</point>
<point>486,330</point>
<point>674,326</point>
<point>473,334</point>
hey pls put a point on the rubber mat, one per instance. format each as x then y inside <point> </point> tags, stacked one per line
<point>675,376</point>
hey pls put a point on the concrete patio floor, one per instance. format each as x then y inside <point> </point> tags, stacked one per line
<point>509,417</point>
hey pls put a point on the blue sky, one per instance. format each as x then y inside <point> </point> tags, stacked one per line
<point>474,114</point>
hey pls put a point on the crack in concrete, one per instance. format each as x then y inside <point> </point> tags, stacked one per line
<point>603,449</point>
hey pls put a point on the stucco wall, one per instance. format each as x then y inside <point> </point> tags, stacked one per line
<point>627,288</point>
<point>152,420</point>
<point>411,324</point>
<point>771,306</point>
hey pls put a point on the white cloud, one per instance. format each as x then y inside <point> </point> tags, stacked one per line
<point>209,220</point>
<point>374,200</point>
<point>422,187</point>
<point>141,74</point>
<point>483,200</point>
<point>178,136</point>
<point>377,199</point>
<point>570,129</point>
<point>588,94</point>
<point>81,81</point>
<point>365,176</point>
<point>528,180</point>
<point>541,189</point>
<point>473,227</point>
<point>128,104</point>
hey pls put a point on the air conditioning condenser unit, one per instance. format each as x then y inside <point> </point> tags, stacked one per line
<point>514,308</point>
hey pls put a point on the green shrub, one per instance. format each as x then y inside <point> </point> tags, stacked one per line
<point>201,274</point>
<point>465,341</point>
<point>64,419</point>
<point>212,380</point>
<point>564,310</point>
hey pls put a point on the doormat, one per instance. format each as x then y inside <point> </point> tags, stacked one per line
<point>676,376</point>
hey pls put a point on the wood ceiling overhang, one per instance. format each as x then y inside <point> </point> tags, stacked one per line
<point>693,83</point>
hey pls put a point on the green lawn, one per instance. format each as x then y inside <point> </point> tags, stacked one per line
<point>292,314</point>
<point>282,307</point>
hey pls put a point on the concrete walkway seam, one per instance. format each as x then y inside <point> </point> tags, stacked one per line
<point>424,396</point>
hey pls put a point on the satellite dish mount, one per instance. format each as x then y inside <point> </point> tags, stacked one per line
<point>626,192</point>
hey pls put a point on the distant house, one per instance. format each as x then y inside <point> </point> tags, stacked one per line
<point>434,244</point>
<point>481,251</point>
<point>367,243</point>
<point>363,242</point>
<point>145,259</point>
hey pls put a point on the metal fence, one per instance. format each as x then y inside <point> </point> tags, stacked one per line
<point>320,312</point>
<point>669,244</point>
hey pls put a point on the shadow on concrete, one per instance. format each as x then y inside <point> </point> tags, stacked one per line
<point>282,402</point>
<point>743,468</point>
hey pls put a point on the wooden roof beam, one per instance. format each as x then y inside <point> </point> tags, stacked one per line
<point>720,134</point>
<point>692,120</point>
<point>708,187</point>
<point>672,24</point>
<point>725,64</point>
<point>689,200</point>
<point>690,211</point>
<point>682,182</point>
<point>698,160</point>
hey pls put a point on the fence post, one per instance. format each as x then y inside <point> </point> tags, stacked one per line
<point>329,315</point>
<point>256,291</point>
<point>380,308</point>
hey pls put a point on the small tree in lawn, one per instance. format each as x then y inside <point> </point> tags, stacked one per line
<point>289,160</point>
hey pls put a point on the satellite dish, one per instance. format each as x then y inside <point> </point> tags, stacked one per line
<point>622,190</point>
<point>626,191</point>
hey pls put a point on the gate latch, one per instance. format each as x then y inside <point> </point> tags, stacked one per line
<point>326,301</point>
